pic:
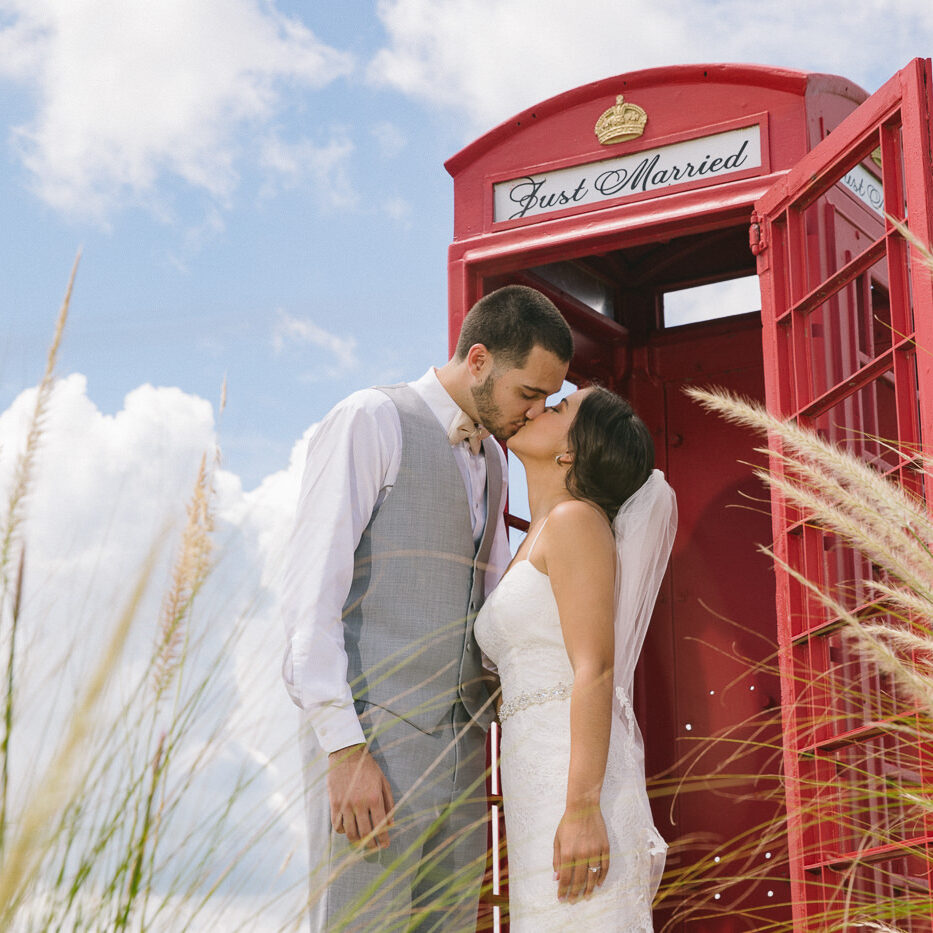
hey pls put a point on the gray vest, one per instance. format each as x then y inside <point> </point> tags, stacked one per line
<point>418,582</point>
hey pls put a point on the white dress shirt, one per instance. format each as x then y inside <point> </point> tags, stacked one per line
<point>352,463</point>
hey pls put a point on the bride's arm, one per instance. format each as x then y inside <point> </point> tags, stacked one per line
<point>580,559</point>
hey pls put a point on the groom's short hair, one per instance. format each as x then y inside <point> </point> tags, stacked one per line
<point>510,321</point>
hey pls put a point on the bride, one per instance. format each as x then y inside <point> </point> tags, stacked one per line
<point>565,627</point>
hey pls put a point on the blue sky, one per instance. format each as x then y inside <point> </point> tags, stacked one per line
<point>259,191</point>
<point>279,211</point>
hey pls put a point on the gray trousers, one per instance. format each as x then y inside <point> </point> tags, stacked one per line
<point>429,877</point>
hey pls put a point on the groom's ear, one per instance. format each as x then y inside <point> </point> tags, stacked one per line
<point>479,361</point>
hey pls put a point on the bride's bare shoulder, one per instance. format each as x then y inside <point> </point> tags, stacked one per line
<point>579,548</point>
<point>576,523</point>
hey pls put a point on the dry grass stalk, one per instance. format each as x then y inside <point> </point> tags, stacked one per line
<point>82,851</point>
<point>190,572</point>
<point>26,462</point>
<point>8,701</point>
<point>41,813</point>
<point>884,646</point>
<point>16,503</point>
<point>881,520</point>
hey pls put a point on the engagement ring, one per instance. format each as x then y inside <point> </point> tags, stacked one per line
<point>593,869</point>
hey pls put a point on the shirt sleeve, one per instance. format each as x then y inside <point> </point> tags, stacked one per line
<point>352,461</point>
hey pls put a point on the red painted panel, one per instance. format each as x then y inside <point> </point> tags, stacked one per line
<point>708,678</point>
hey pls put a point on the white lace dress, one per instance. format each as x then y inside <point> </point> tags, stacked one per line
<point>519,630</point>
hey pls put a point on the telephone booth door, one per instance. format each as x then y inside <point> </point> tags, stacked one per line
<point>848,336</point>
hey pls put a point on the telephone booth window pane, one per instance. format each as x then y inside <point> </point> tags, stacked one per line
<point>846,573</point>
<point>844,220</point>
<point>865,423</point>
<point>857,691</point>
<point>580,283</point>
<point>849,330</point>
<point>876,331</point>
<point>712,301</point>
<point>891,157</point>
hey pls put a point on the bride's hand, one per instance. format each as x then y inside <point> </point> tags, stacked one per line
<point>580,845</point>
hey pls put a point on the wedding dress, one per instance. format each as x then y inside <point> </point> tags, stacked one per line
<point>519,630</point>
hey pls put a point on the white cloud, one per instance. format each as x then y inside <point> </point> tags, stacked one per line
<point>106,489</point>
<point>390,138</point>
<point>129,90</point>
<point>485,60</point>
<point>398,209</point>
<point>340,351</point>
<point>292,164</point>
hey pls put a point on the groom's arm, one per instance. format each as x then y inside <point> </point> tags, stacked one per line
<point>352,460</point>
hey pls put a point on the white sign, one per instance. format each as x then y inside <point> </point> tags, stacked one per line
<point>713,156</point>
<point>866,187</point>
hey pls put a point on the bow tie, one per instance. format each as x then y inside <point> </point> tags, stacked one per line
<point>463,428</point>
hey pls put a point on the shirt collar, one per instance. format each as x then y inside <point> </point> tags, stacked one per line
<point>436,397</point>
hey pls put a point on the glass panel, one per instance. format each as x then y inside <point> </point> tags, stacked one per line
<point>846,573</point>
<point>881,793</point>
<point>848,330</point>
<point>873,409</point>
<point>858,694</point>
<point>812,693</point>
<point>579,283</point>
<point>890,159</point>
<point>709,302</point>
<point>844,221</point>
<point>806,554</point>
<point>818,804</point>
<point>879,893</point>
<point>863,181</point>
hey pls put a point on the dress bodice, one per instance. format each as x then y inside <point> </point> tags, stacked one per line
<point>519,630</point>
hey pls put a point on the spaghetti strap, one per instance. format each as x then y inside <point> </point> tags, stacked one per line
<point>538,535</point>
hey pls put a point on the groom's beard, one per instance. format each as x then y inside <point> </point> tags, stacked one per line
<point>490,415</point>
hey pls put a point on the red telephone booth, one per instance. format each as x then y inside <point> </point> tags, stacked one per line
<point>652,207</point>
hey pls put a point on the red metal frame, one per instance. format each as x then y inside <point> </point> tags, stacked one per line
<point>831,365</point>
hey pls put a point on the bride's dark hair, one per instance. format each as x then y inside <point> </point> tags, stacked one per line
<point>613,453</point>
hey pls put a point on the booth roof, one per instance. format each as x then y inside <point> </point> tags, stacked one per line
<point>763,76</point>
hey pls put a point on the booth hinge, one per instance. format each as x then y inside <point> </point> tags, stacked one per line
<point>755,239</point>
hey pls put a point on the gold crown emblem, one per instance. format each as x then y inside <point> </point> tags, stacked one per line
<point>620,122</point>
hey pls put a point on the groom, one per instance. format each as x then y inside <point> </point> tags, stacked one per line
<point>398,538</point>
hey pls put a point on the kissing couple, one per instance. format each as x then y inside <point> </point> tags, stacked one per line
<point>401,627</point>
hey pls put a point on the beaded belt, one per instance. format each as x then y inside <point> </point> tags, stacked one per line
<point>534,698</point>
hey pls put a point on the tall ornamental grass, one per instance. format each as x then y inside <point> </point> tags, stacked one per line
<point>889,638</point>
<point>113,825</point>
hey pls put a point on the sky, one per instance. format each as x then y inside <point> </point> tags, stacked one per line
<point>258,191</point>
